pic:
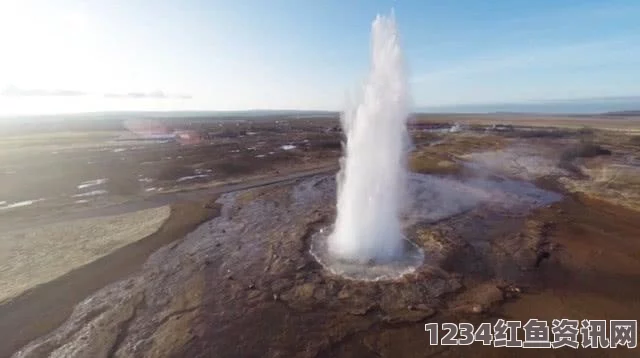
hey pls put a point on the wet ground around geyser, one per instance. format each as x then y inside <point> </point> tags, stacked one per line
<point>244,284</point>
<point>431,199</point>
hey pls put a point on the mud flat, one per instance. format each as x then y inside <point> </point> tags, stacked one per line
<point>40,309</point>
<point>30,257</point>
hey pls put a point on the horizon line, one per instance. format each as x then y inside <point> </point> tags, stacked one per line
<point>449,108</point>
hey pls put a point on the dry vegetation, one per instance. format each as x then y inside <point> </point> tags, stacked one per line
<point>581,150</point>
<point>617,184</point>
<point>436,154</point>
<point>428,163</point>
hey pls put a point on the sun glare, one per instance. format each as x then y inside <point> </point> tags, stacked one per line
<point>44,48</point>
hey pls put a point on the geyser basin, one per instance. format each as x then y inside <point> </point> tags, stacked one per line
<point>409,258</point>
<point>436,200</point>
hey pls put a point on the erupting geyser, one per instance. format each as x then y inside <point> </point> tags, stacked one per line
<point>373,177</point>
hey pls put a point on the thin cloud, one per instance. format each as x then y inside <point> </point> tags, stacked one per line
<point>13,91</point>
<point>149,95</point>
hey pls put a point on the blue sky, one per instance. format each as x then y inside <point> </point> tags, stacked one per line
<point>74,56</point>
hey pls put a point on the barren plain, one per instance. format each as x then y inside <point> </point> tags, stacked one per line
<point>521,217</point>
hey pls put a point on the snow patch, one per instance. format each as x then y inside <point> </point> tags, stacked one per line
<point>90,193</point>
<point>191,177</point>
<point>19,204</point>
<point>90,183</point>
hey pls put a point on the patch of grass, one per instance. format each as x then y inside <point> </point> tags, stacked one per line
<point>57,138</point>
<point>635,140</point>
<point>432,164</point>
<point>570,167</point>
<point>586,131</point>
<point>461,145</point>
<point>173,172</point>
<point>123,186</point>
<point>248,196</point>
<point>425,136</point>
<point>230,133</point>
<point>478,127</point>
<point>328,144</point>
<point>583,150</point>
<point>234,168</point>
<point>540,133</point>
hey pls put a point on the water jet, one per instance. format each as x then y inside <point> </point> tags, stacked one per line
<point>373,176</point>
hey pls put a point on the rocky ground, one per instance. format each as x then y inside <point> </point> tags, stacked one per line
<point>244,283</point>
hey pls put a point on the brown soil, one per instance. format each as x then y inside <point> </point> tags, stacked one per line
<point>592,274</point>
<point>436,154</point>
